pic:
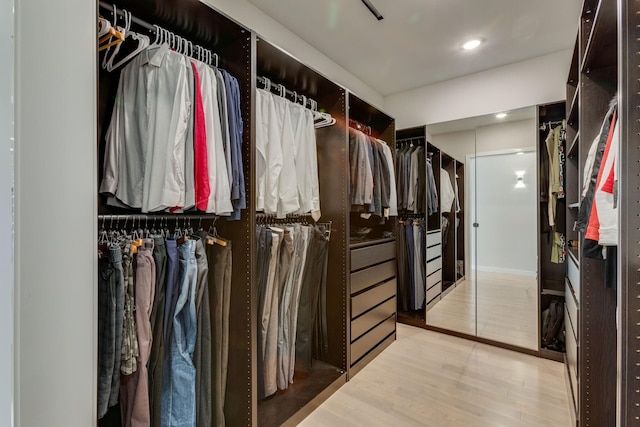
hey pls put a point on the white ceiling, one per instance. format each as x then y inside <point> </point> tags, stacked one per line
<point>418,41</point>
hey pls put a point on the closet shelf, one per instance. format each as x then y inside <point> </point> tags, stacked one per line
<point>553,292</point>
<point>284,405</point>
<point>369,242</point>
<point>599,52</point>
<point>553,287</point>
<point>573,116</point>
<point>558,356</point>
<point>575,254</point>
<point>573,71</point>
<point>574,148</point>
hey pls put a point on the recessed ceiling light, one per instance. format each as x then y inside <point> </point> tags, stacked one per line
<point>472,44</point>
<point>501,115</point>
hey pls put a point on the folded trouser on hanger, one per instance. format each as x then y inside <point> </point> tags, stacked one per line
<point>314,281</point>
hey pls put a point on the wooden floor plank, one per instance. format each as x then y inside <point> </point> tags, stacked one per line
<point>435,380</point>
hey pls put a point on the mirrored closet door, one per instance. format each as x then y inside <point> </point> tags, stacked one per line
<point>489,234</point>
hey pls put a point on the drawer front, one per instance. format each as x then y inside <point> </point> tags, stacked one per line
<point>433,266</point>
<point>574,276</point>
<point>434,291</point>
<point>371,255</point>
<point>432,304</point>
<point>434,252</point>
<point>371,339</point>
<point>372,318</point>
<point>572,310</point>
<point>434,238</point>
<point>372,297</point>
<point>572,360</point>
<point>434,278</point>
<point>366,278</point>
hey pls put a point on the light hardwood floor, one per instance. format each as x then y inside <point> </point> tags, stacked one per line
<point>435,380</point>
<point>507,309</point>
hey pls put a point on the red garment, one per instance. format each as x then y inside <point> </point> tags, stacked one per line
<point>201,162</point>
<point>607,187</point>
<point>593,229</point>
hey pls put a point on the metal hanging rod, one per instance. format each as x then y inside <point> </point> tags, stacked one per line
<point>550,123</point>
<point>135,20</point>
<point>359,126</point>
<point>153,29</point>
<point>174,217</point>
<point>282,91</point>
<point>419,138</point>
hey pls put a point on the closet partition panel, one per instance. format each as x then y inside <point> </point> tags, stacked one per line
<point>328,373</point>
<point>592,84</point>
<point>373,294</point>
<point>629,250</point>
<point>203,26</point>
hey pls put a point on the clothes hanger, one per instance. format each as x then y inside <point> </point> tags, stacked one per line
<point>143,42</point>
<point>117,32</point>
<point>212,235</point>
<point>103,27</point>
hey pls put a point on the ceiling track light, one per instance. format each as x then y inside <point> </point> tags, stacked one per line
<point>373,10</point>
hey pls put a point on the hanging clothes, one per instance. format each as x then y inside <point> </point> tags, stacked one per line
<point>432,190</point>
<point>447,193</point>
<point>290,187</point>
<point>169,299</point>
<point>292,262</point>
<point>555,146</point>
<point>416,190</point>
<point>417,181</point>
<point>373,190</point>
<point>173,141</point>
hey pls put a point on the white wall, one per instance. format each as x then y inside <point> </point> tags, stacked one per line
<point>503,136</point>
<point>456,144</point>
<point>498,137</point>
<point>532,82</point>
<point>56,214</point>
<point>6,213</point>
<point>506,238</point>
<point>255,19</point>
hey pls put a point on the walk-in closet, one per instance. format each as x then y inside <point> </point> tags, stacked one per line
<point>274,213</point>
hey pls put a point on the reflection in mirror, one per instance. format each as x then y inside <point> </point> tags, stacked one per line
<point>493,288</point>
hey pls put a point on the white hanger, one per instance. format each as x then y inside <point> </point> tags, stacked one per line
<point>282,90</point>
<point>103,26</point>
<point>115,22</point>
<point>143,43</point>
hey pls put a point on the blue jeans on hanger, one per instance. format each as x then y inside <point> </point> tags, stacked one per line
<point>178,388</point>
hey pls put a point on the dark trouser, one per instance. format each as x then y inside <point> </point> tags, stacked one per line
<point>314,280</point>
<point>410,259</point>
<point>110,324</point>
<point>202,352</point>
<point>403,268</point>
<point>172,289</point>
<point>157,325</point>
<point>220,263</point>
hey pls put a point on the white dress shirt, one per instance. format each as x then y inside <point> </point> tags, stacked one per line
<point>144,160</point>
<point>447,194</point>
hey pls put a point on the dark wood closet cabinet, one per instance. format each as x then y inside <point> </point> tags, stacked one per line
<point>360,285</point>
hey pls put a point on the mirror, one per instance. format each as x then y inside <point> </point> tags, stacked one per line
<point>489,241</point>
